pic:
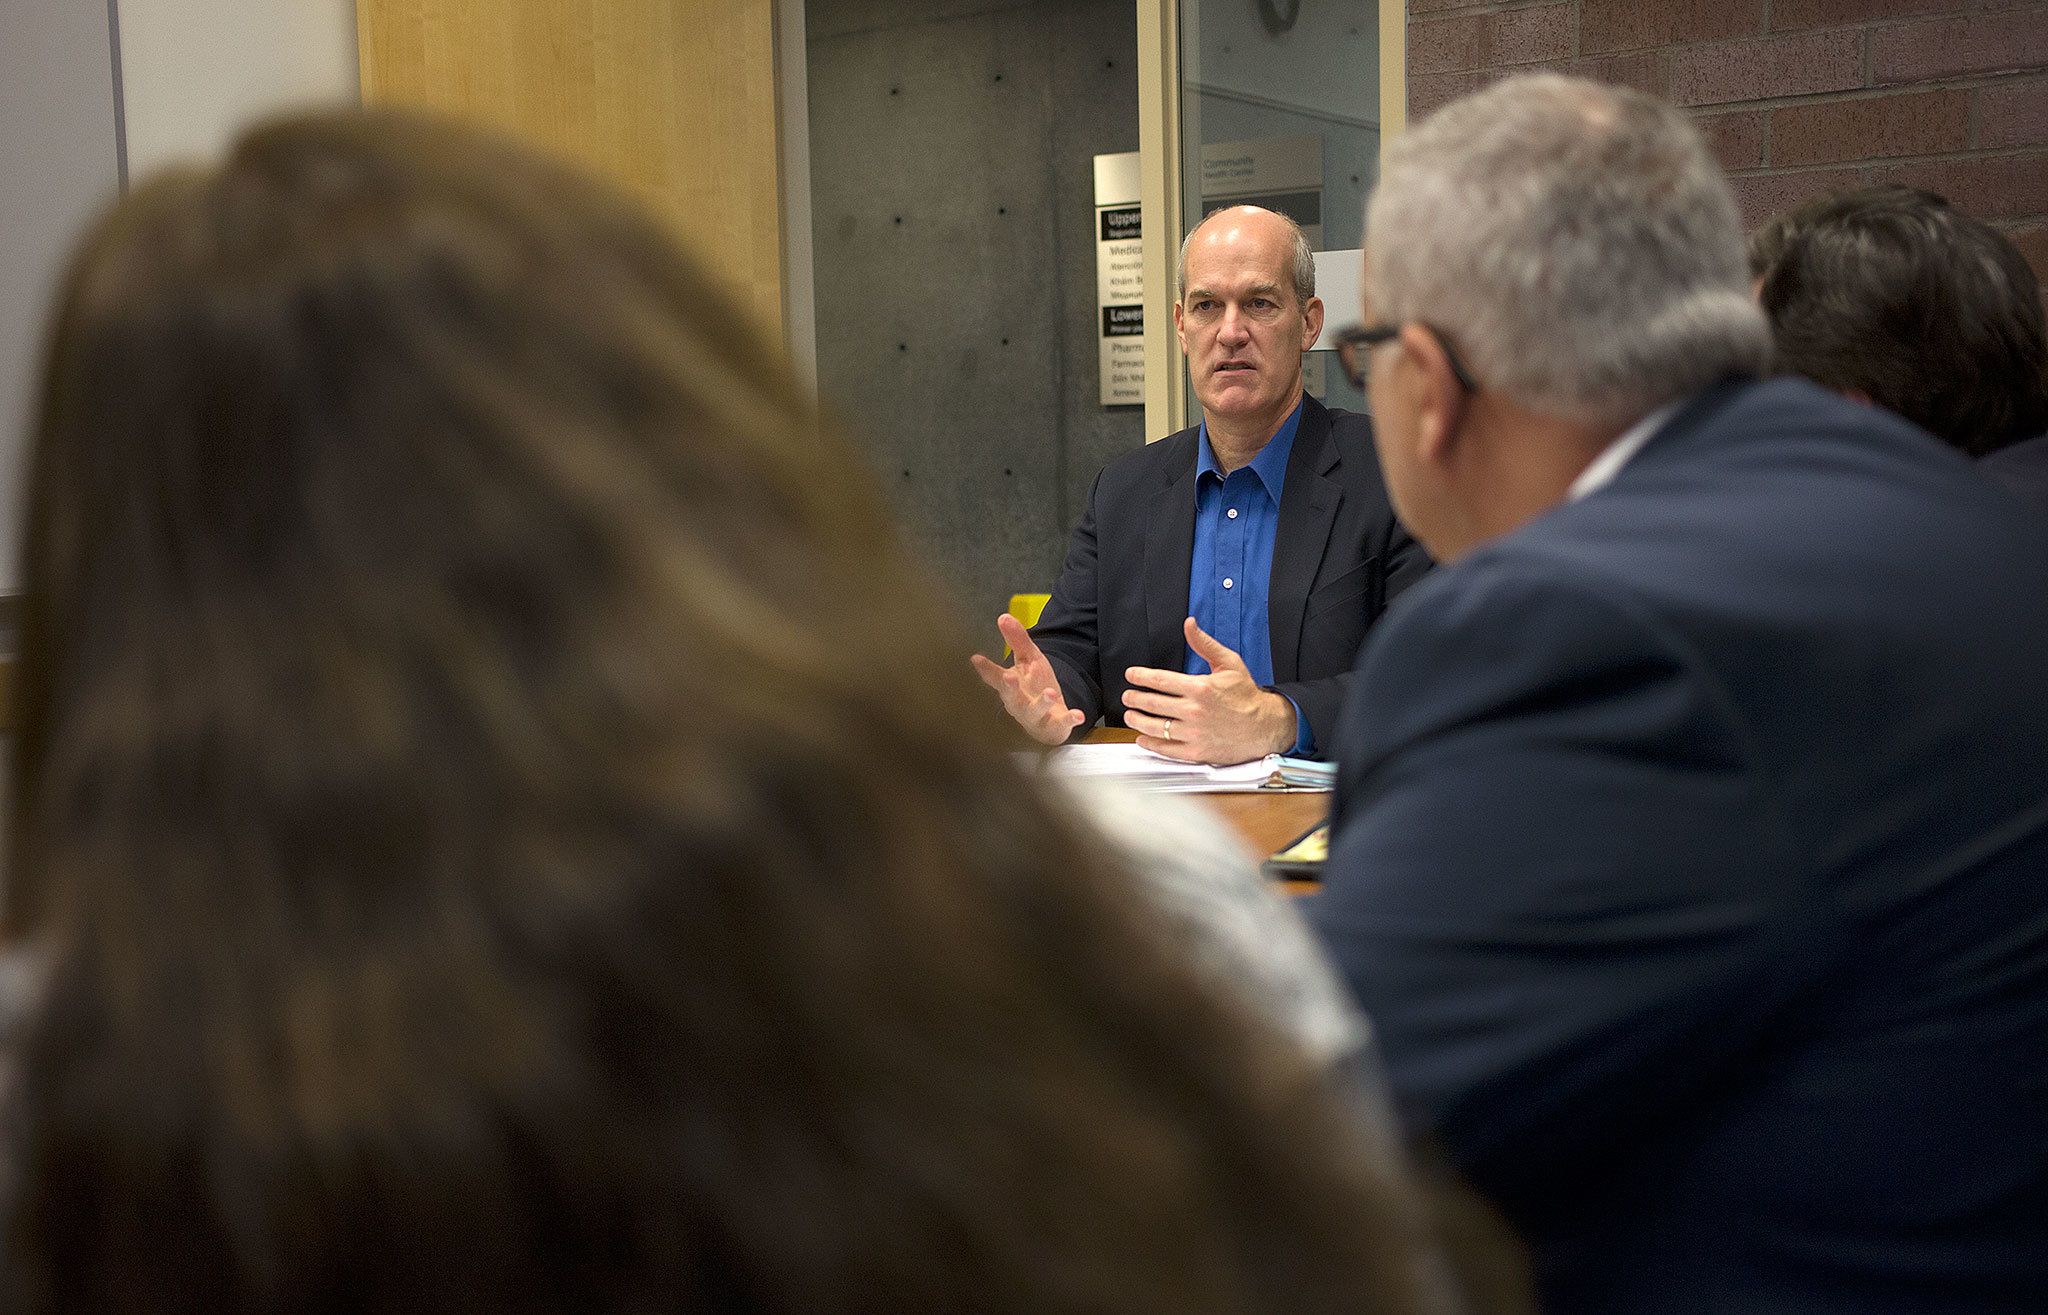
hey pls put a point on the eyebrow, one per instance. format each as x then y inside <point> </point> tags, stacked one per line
<point>1255,290</point>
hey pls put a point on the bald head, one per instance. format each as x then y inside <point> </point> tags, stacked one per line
<point>1249,222</point>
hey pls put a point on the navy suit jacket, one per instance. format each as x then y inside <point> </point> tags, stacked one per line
<point>1691,861</point>
<point>2023,468</point>
<point>1338,556</point>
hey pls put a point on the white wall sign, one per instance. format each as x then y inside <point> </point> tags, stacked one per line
<point>1120,279</point>
<point>1279,173</point>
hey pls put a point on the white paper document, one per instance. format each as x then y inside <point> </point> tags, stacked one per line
<point>1143,768</point>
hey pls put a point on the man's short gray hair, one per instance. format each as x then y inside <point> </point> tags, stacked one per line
<point>1303,260</point>
<point>1575,243</point>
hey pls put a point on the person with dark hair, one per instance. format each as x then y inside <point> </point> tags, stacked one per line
<point>1766,245</point>
<point>1891,295</point>
<point>499,823</point>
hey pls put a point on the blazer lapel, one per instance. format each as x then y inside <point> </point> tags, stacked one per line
<point>1308,510</point>
<point>1169,550</point>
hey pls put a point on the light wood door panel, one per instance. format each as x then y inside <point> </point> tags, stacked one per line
<point>675,99</point>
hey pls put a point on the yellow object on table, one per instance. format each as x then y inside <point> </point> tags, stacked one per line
<point>1027,608</point>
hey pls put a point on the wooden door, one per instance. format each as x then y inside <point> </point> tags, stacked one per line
<point>674,99</point>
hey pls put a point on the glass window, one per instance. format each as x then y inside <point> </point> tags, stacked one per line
<point>1280,107</point>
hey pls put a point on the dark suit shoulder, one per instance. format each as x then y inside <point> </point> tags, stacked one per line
<point>1487,638</point>
<point>1825,566</point>
<point>2023,468</point>
<point>1774,479</point>
<point>1148,467</point>
<point>1351,430</point>
<point>1351,456</point>
<point>1334,437</point>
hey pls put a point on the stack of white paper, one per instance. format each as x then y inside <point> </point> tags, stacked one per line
<point>1143,768</point>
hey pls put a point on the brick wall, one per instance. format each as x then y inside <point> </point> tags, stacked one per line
<point>1797,97</point>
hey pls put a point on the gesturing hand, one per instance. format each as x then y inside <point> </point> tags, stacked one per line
<point>1223,717</point>
<point>1031,693</point>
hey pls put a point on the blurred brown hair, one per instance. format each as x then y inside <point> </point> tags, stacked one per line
<point>506,828</point>
<point>1892,294</point>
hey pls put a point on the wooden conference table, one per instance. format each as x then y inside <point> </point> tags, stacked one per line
<point>1265,819</point>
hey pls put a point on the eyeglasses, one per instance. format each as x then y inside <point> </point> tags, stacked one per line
<point>1353,344</point>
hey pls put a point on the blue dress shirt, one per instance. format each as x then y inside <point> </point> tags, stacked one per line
<point>1230,575</point>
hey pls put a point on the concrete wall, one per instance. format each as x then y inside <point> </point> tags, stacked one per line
<point>953,212</point>
<point>1798,97</point>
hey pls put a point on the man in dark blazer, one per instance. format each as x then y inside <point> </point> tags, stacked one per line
<point>1220,581</point>
<point>1691,848</point>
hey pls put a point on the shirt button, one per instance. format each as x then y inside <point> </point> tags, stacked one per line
<point>1227,582</point>
<point>1232,513</point>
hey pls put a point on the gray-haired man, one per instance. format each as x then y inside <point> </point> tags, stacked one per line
<point>1693,824</point>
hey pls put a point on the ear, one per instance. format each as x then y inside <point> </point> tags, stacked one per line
<point>1441,399</point>
<point>1311,323</point>
<point>1180,330</point>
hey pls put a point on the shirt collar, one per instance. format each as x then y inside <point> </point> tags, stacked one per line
<point>1600,472</point>
<point>1270,465</point>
